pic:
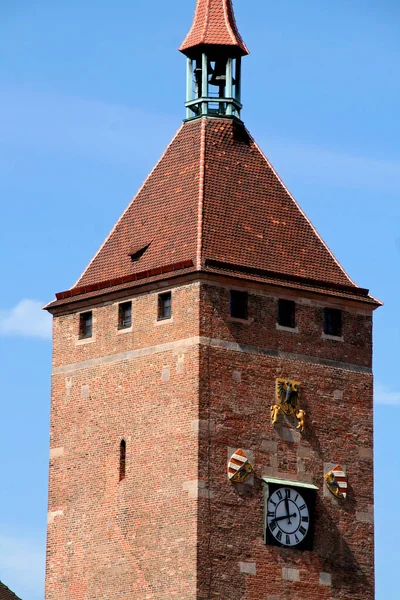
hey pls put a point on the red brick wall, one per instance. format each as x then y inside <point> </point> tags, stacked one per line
<point>309,341</point>
<point>175,524</point>
<point>237,389</point>
<point>135,538</point>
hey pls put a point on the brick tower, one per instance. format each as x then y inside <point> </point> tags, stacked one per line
<point>210,327</point>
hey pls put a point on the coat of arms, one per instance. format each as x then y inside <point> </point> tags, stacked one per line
<point>336,482</point>
<point>287,396</point>
<point>239,467</point>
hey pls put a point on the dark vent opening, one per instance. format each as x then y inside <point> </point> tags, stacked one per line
<point>239,304</point>
<point>240,133</point>
<point>287,313</point>
<point>136,254</point>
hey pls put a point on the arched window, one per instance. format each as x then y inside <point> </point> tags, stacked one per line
<point>122,459</point>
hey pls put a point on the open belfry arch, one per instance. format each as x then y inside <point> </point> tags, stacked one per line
<point>211,424</point>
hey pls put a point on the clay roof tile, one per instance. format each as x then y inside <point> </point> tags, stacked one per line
<point>214,24</point>
<point>214,196</point>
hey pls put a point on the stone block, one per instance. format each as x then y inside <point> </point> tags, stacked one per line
<point>269,446</point>
<point>248,567</point>
<point>325,579</point>
<point>365,517</point>
<point>56,452</point>
<point>165,374</point>
<point>236,376</point>
<point>366,453</point>
<point>304,452</point>
<point>290,574</point>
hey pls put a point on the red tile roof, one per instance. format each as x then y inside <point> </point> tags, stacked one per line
<point>215,199</point>
<point>250,217</point>
<point>6,594</point>
<point>165,210</point>
<point>214,24</point>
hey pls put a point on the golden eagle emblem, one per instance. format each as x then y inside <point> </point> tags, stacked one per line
<point>287,397</point>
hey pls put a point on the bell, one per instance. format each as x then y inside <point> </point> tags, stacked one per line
<point>218,76</point>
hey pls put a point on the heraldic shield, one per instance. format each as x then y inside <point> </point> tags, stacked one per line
<point>287,395</point>
<point>239,467</point>
<point>336,482</point>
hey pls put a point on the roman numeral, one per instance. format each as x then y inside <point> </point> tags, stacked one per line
<point>272,502</point>
<point>287,493</point>
<point>297,539</point>
<point>302,530</point>
<point>279,535</point>
<point>304,519</point>
<point>296,497</point>
<point>271,513</point>
<point>302,507</point>
<point>273,525</point>
<point>279,494</point>
<point>288,542</point>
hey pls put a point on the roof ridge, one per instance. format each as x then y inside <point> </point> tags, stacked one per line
<point>127,208</point>
<point>202,175</point>
<point>206,21</point>
<point>226,17</point>
<point>301,210</point>
<point>6,588</point>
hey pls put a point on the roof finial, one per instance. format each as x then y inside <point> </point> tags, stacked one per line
<point>214,24</point>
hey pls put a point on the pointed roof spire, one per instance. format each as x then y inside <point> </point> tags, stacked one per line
<point>214,24</point>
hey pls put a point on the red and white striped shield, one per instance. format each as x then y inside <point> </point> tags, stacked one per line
<point>239,467</point>
<point>336,482</point>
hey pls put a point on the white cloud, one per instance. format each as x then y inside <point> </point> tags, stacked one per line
<point>384,394</point>
<point>26,319</point>
<point>22,565</point>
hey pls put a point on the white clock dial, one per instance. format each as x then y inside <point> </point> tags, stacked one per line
<point>288,516</point>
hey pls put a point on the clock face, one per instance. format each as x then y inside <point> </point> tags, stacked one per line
<point>288,517</point>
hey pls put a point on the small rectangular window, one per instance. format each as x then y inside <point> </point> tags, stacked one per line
<point>125,315</point>
<point>287,313</point>
<point>239,304</point>
<point>85,325</point>
<point>164,306</point>
<point>333,322</point>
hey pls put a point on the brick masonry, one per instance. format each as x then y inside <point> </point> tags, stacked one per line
<point>175,527</point>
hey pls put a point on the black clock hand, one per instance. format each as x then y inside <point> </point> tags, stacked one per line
<point>285,517</point>
<point>287,510</point>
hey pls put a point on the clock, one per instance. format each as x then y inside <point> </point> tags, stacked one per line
<point>289,516</point>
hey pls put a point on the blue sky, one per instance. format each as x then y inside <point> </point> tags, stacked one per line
<point>90,94</point>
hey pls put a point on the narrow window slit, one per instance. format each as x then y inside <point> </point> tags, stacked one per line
<point>122,460</point>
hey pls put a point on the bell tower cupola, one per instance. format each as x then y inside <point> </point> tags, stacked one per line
<point>214,50</point>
